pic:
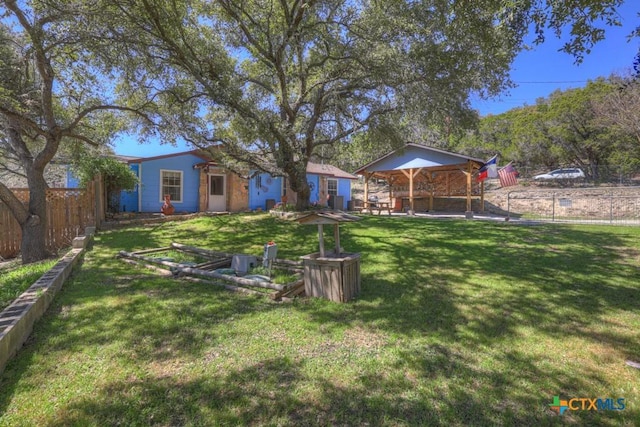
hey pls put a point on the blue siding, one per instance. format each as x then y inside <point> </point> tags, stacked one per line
<point>314,183</point>
<point>344,190</point>
<point>262,187</point>
<point>129,199</point>
<point>71,180</point>
<point>151,200</point>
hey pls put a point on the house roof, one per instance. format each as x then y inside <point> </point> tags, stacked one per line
<point>197,153</point>
<point>416,156</point>
<point>126,159</point>
<point>328,170</point>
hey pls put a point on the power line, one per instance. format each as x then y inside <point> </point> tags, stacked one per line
<point>554,82</point>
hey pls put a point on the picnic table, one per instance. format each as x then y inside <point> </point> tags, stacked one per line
<point>379,206</point>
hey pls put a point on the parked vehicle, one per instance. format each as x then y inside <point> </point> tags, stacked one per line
<point>564,173</point>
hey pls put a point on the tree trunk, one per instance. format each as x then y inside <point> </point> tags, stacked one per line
<point>34,229</point>
<point>297,173</point>
<point>33,240</point>
<point>304,194</point>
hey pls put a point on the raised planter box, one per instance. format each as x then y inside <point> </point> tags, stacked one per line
<point>336,278</point>
<point>17,320</point>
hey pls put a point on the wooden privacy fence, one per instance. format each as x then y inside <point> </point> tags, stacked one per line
<point>69,211</point>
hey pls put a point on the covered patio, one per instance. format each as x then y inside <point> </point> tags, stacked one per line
<point>418,175</point>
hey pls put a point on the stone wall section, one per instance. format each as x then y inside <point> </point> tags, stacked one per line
<point>17,320</point>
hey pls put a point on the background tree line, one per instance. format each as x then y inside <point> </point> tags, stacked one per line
<point>596,128</point>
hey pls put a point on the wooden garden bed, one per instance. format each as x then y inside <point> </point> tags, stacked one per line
<point>213,267</point>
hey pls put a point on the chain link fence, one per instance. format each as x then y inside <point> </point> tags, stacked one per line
<point>619,206</point>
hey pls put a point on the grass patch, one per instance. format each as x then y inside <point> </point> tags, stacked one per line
<point>458,323</point>
<point>14,281</point>
<point>276,275</point>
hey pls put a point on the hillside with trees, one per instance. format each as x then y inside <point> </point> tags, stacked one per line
<point>595,128</point>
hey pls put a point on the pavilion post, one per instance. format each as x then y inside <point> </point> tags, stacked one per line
<point>432,193</point>
<point>366,189</point>
<point>411,191</point>
<point>390,181</point>
<point>469,212</point>
<point>482,197</point>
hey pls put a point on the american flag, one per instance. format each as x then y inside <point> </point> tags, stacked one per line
<point>507,176</point>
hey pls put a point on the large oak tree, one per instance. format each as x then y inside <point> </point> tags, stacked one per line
<point>50,95</point>
<point>273,81</point>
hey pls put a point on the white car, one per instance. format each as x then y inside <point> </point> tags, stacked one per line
<point>564,173</point>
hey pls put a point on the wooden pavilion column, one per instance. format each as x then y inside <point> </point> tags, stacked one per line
<point>468,173</point>
<point>482,197</point>
<point>411,175</point>
<point>366,188</point>
<point>411,191</point>
<point>432,192</point>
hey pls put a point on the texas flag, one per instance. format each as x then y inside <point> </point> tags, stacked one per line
<point>489,170</point>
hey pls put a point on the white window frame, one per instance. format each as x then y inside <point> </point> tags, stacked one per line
<point>162,193</point>
<point>329,180</point>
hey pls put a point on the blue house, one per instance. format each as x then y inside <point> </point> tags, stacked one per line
<point>196,183</point>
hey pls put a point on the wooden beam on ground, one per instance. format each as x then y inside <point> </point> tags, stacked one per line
<point>225,286</point>
<point>224,262</point>
<point>150,251</point>
<point>162,271</point>
<point>241,281</point>
<point>288,290</point>
<point>133,255</point>
<point>200,251</point>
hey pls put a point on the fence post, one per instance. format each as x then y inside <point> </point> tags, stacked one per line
<point>553,208</point>
<point>99,200</point>
<point>509,204</point>
<point>611,208</point>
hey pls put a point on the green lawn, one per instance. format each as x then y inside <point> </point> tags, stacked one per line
<point>17,279</point>
<point>458,323</point>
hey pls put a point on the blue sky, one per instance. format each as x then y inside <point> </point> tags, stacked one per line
<point>541,71</point>
<point>537,73</point>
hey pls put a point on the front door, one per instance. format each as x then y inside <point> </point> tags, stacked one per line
<point>217,194</point>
